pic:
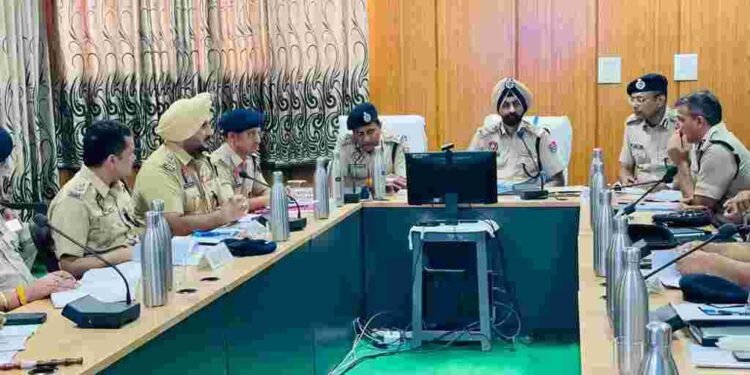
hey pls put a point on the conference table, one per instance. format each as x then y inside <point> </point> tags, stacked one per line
<point>291,311</point>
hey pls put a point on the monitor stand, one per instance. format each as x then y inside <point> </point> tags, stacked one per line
<point>451,208</point>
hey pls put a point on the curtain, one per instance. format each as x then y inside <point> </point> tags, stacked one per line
<point>26,100</point>
<point>303,62</point>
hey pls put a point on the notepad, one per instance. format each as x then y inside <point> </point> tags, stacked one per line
<point>103,284</point>
<point>714,357</point>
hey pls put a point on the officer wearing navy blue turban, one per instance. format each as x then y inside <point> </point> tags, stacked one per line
<point>242,130</point>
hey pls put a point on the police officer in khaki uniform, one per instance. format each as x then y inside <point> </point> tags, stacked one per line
<point>239,152</point>
<point>356,150</point>
<point>181,174</point>
<point>17,285</point>
<point>517,142</point>
<point>94,207</point>
<point>719,166</point>
<point>644,147</point>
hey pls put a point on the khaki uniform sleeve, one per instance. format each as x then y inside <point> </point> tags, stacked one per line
<point>716,173</point>
<point>399,160</point>
<point>72,217</point>
<point>476,143</point>
<point>26,246</point>
<point>551,161</point>
<point>156,183</point>
<point>225,179</point>
<point>626,157</point>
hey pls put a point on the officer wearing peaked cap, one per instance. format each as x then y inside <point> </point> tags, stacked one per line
<point>356,150</point>
<point>643,156</point>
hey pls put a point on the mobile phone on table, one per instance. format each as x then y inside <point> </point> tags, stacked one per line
<point>19,319</point>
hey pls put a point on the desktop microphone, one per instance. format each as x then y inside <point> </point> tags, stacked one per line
<point>295,225</point>
<point>533,194</point>
<point>724,232</point>
<point>88,312</point>
<point>667,178</point>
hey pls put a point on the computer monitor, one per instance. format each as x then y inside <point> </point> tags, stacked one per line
<point>470,176</point>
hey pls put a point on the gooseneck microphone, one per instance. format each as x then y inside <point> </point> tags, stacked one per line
<point>667,178</point>
<point>295,225</point>
<point>88,312</point>
<point>724,232</point>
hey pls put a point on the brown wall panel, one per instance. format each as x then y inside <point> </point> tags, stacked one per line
<point>476,47</point>
<point>557,60</point>
<point>721,38</point>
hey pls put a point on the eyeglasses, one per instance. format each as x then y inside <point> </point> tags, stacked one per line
<point>639,99</point>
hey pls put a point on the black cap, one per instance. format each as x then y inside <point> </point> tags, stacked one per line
<point>239,120</point>
<point>651,82</point>
<point>6,144</point>
<point>362,115</point>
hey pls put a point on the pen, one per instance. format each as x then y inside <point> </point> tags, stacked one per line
<point>33,364</point>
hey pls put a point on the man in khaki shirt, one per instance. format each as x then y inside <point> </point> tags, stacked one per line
<point>644,147</point>
<point>14,272</point>
<point>94,207</point>
<point>720,165</point>
<point>517,142</point>
<point>239,153</point>
<point>181,174</point>
<point>356,150</point>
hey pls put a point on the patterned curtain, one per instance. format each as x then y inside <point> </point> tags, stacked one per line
<point>303,62</point>
<point>26,100</point>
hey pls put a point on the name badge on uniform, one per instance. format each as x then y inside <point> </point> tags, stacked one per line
<point>14,225</point>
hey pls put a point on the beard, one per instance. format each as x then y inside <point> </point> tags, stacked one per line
<point>512,119</point>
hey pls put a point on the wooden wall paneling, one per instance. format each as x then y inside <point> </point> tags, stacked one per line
<point>419,64</point>
<point>645,34</point>
<point>476,47</point>
<point>718,32</point>
<point>384,24</point>
<point>557,60</point>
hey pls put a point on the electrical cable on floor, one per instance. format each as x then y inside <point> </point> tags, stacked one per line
<point>359,360</point>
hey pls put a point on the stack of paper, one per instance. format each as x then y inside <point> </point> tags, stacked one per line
<point>103,284</point>
<point>665,196</point>
<point>13,340</point>
<point>702,356</point>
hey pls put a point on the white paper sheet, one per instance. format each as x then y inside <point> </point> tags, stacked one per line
<point>714,357</point>
<point>7,357</point>
<point>25,330</point>
<point>103,284</point>
<point>670,276</point>
<point>12,343</point>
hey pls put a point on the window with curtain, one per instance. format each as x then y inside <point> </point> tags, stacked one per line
<point>26,105</point>
<point>66,64</point>
<point>303,62</point>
